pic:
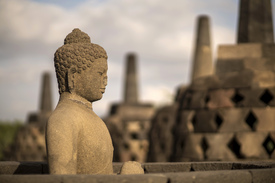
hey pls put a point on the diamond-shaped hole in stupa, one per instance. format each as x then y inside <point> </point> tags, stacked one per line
<point>251,120</point>
<point>204,146</point>
<point>237,98</point>
<point>235,147</point>
<point>194,120</point>
<point>269,145</point>
<point>266,97</point>
<point>218,120</point>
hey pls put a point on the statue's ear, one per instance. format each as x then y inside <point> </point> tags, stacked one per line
<point>70,79</point>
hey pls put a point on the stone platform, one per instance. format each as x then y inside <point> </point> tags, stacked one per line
<point>237,171</point>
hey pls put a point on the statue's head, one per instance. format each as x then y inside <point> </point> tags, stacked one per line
<point>81,66</point>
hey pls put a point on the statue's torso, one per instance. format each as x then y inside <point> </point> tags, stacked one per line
<point>95,149</point>
<point>92,152</point>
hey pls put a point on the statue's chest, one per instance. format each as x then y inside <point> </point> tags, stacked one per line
<point>95,144</point>
<point>95,136</point>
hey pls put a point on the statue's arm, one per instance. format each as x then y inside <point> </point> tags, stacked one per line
<point>61,141</point>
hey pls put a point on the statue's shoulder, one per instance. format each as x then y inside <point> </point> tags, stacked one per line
<point>64,114</point>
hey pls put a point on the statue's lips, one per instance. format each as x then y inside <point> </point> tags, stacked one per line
<point>102,90</point>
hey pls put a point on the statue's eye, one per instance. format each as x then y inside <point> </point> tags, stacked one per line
<point>101,73</point>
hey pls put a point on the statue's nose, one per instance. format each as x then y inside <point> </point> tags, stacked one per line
<point>105,81</point>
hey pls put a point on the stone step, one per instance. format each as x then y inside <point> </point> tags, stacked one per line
<point>247,172</point>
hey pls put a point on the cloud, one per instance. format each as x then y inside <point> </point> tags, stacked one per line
<point>158,94</point>
<point>160,32</point>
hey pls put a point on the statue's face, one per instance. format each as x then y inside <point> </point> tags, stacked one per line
<point>91,83</point>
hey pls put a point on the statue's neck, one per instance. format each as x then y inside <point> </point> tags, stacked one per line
<point>77,99</point>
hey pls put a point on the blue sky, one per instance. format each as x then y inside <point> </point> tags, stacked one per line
<point>160,32</point>
<point>62,3</point>
<point>69,4</point>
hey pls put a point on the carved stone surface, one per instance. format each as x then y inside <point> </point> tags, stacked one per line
<point>233,120</point>
<point>217,146</point>
<point>250,98</point>
<point>244,51</point>
<point>189,148</point>
<point>265,119</point>
<point>161,134</point>
<point>204,121</point>
<point>16,168</point>
<point>212,165</point>
<point>220,98</point>
<point>251,144</point>
<point>205,83</point>
<point>186,121</point>
<point>197,100</point>
<point>78,141</point>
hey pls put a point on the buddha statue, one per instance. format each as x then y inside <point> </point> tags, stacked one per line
<point>77,140</point>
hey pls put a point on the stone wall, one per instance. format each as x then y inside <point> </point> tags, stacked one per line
<point>241,171</point>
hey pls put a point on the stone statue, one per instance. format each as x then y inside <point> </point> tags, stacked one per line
<point>78,141</point>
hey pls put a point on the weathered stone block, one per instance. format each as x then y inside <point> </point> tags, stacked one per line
<point>248,79</point>
<point>220,98</point>
<point>217,148</point>
<point>180,92</point>
<point>161,135</point>
<point>8,167</point>
<point>250,98</point>
<point>120,178</point>
<point>210,177</point>
<point>252,165</point>
<point>241,51</point>
<point>265,119</point>
<point>263,79</point>
<point>261,64</point>
<point>233,120</point>
<point>207,166</point>
<point>198,100</point>
<point>204,83</point>
<point>239,65</point>
<point>166,167</point>
<point>204,121</point>
<point>32,178</point>
<point>185,99</point>
<point>83,178</point>
<point>237,79</point>
<point>227,65</point>
<point>116,167</point>
<point>251,144</point>
<point>45,168</point>
<point>190,147</point>
<point>185,122</point>
<point>12,167</point>
<point>264,175</point>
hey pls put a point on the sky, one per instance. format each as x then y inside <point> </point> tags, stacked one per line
<point>160,32</point>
